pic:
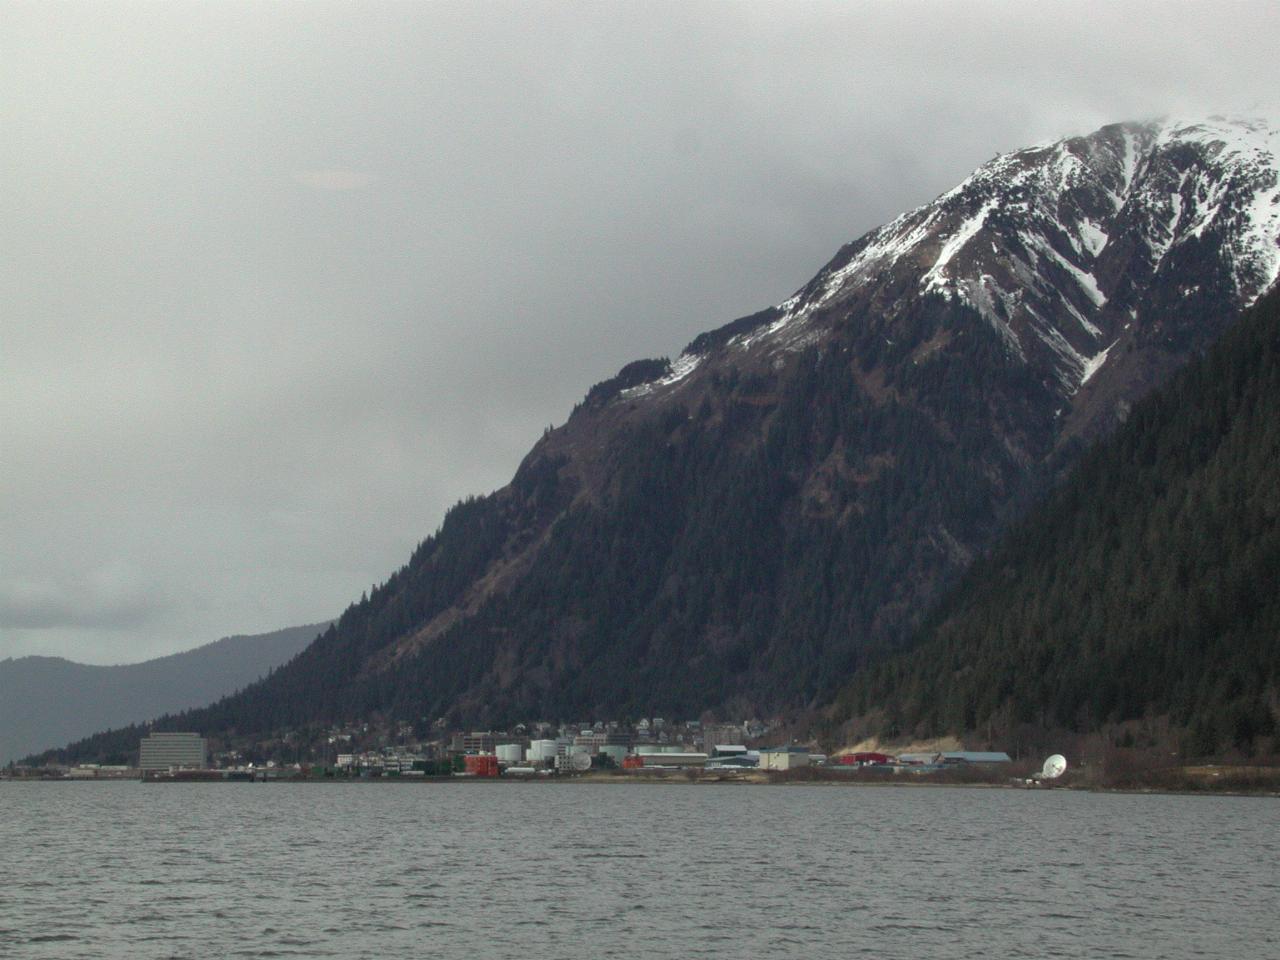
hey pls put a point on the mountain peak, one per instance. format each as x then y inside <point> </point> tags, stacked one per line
<point>1054,246</point>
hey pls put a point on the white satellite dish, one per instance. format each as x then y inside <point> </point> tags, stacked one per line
<point>1054,767</point>
<point>580,761</point>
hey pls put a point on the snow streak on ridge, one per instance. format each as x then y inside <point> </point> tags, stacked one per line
<point>1027,233</point>
<point>1054,244</point>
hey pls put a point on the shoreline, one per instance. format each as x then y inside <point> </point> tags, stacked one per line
<point>1209,788</point>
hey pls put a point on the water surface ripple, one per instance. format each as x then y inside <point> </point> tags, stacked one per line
<point>115,870</point>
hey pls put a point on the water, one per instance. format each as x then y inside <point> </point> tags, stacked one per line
<point>533,870</point>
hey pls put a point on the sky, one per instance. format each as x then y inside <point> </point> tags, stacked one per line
<point>283,281</point>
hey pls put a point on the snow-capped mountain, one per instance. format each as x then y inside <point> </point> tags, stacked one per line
<point>1068,250</point>
<point>734,530</point>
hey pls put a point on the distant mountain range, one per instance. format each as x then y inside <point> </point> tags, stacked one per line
<point>48,701</point>
<point>739,530</point>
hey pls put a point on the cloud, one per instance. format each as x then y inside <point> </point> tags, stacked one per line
<point>258,334</point>
<point>333,180</point>
<point>110,597</point>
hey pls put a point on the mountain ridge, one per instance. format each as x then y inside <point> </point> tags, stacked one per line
<point>1116,178</point>
<point>45,701</point>
<point>738,529</point>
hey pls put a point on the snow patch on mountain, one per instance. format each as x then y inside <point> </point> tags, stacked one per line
<point>1042,239</point>
<point>1092,237</point>
<point>966,232</point>
<point>1237,190</point>
<point>683,365</point>
<point>1084,280</point>
<point>1094,364</point>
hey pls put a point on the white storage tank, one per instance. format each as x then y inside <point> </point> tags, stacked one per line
<point>542,751</point>
<point>509,753</point>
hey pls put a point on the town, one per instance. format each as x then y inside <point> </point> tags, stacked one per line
<point>647,747</point>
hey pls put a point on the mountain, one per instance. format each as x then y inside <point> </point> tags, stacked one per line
<point>49,700</point>
<point>738,530</point>
<point>1144,589</point>
<point>1098,261</point>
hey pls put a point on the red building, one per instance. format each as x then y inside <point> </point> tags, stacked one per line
<point>863,759</point>
<point>482,765</point>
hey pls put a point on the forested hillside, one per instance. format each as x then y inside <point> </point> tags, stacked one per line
<point>1148,586</point>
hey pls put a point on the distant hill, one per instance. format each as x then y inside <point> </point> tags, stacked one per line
<point>48,701</point>
<point>1146,589</point>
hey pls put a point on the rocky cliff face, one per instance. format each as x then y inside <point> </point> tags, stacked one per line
<point>734,530</point>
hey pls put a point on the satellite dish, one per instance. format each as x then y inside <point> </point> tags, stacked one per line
<point>1054,767</point>
<point>580,761</point>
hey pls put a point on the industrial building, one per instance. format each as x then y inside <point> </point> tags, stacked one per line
<point>952,757</point>
<point>659,757</point>
<point>784,758</point>
<point>179,751</point>
<point>482,765</point>
<point>542,752</point>
<point>748,760</point>
<point>478,742</point>
<point>864,759</point>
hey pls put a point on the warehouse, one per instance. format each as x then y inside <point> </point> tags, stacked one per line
<point>784,758</point>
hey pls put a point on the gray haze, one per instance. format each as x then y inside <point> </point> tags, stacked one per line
<point>283,281</point>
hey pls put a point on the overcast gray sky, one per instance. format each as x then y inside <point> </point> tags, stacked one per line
<point>281,282</point>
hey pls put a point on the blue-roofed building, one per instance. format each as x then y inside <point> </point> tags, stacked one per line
<point>953,757</point>
<point>976,756</point>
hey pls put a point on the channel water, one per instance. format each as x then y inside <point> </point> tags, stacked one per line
<point>575,870</point>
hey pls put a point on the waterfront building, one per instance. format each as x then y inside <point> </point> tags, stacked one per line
<point>741,761</point>
<point>162,751</point>
<point>976,756</point>
<point>482,765</point>
<point>479,742</point>
<point>950,757</point>
<point>784,758</point>
<point>615,752</point>
<point>542,752</point>
<point>659,757</point>
<point>864,759</point>
<point>595,741</point>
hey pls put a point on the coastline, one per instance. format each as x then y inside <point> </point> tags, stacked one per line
<point>1201,787</point>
